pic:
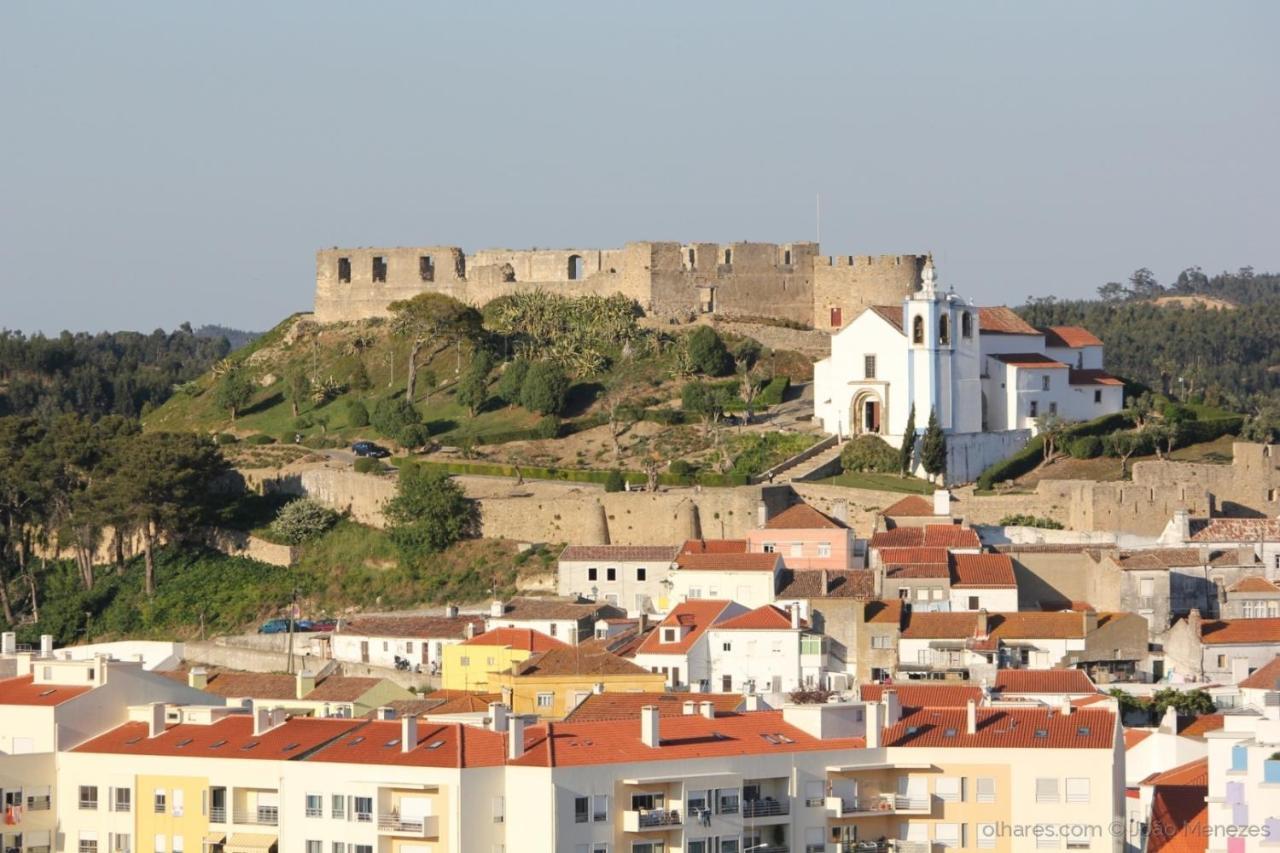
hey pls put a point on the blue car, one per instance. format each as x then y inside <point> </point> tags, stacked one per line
<point>368,448</point>
<point>281,626</point>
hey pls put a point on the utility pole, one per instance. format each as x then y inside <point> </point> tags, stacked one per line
<point>293,608</point>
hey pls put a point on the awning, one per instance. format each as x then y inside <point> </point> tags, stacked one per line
<point>215,837</point>
<point>249,842</point>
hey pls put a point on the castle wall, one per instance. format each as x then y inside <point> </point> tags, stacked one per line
<point>853,283</point>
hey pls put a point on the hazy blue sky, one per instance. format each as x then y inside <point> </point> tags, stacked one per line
<point>168,161</point>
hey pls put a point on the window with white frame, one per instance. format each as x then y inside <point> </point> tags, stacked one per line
<point>948,834</point>
<point>881,641</point>
<point>123,842</point>
<point>361,848</point>
<point>727,801</point>
<point>499,809</point>
<point>824,549</point>
<point>986,786</point>
<point>1078,790</point>
<point>338,809</point>
<point>797,549</point>
<point>338,847</point>
<point>88,842</point>
<point>315,847</point>
<point>160,844</point>
<point>122,799</point>
<point>950,789</point>
<point>1046,790</point>
<point>161,801</point>
<point>546,700</point>
<point>362,809</point>
<point>729,845</point>
<point>600,808</point>
<point>178,804</point>
<point>180,845</point>
<point>986,836</point>
<point>581,808</point>
<point>1047,841</point>
<point>89,800</point>
<point>314,805</point>
<point>768,548</point>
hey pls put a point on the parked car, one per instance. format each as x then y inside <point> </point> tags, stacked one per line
<point>368,448</point>
<point>281,626</point>
<point>324,625</point>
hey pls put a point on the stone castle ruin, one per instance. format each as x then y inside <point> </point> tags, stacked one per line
<point>783,281</point>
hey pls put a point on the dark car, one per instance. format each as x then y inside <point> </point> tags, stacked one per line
<point>281,626</point>
<point>368,448</point>
<point>328,625</point>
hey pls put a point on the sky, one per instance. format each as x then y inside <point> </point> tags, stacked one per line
<point>164,162</point>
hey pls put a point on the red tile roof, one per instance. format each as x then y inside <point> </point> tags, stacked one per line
<point>927,535</point>
<point>1216,632</point>
<point>420,627</point>
<point>912,506</point>
<point>234,684</point>
<point>1179,820</point>
<point>914,556</point>
<point>1202,725</point>
<point>576,660</point>
<point>714,546</point>
<point>24,691</point>
<point>652,553</point>
<point>1025,625</point>
<point>1043,681</point>
<point>571,743</point>
<point>1092,377</point>
<point>1160,558</point>
<point>1035,360</point>
<point>803,517</point>
<point>1235,529</point>
<point>765,618</point>
<point>1133,737</point>
<point>841,583</point>
<point>892,314</point>
<point>884,612</point>
<point>1003,321</point>
<point>525,607</point>
<point>1071,337</point>
<point>342,688</point>
<point>728,562</point>
<point>1005,728</point>
<point>694,617</point>
<point>919,571</point>
<point>924,695</point>
<point>1265,677</point>
<point>1253,584</point>
<point>626,706</point>
<point>982,570</point>
<point>1194,772</point>
<point>436,745</point>
<point>525,639</point>
<point>230,737</point>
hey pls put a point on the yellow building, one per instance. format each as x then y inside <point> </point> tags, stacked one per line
<point>553,683</point>
<point>467,665</point>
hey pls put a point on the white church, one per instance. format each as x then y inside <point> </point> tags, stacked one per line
<point>986,372</point>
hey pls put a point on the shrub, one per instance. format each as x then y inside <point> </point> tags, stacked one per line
<point>545,389</point>
<point>357,413</point>
<point>614,482</point>
<point>869,453</point>
<point>224,438</point>
<point>1023,520</point>
<point>707,352</point>
<point>1085,447</point>
<point>397,419</point>
<point>680,468</point>
<point>367,465</point>
<point>428,514</point>
<point>773,392</point>
<point>548,427</point>
<point>302,520</point>
<point>512,381</point>
<point>260,438</point>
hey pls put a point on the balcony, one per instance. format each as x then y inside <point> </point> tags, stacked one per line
<point>878,805</point>
<point>891,846</point>
<point>650,820</point>
<point>261,816</point>
<point>417,827</point>
<point>767,807</point>
<point>217,814</point>
<point>766,848</point>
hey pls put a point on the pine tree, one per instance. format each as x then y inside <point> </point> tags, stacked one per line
<point>908,449</point>
<point>933,447</point>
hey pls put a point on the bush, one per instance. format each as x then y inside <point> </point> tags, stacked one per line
<point>367,465</point>
<point>399,421</point>
<point>1022,520</point>
<point>680,468</point>
<point>869,453</point>
<point>545,389</point>
<point>548,427</point>
<point>614,482</point>
<point>428,514</point>
<point>260,438</point>
<point>302,520</point>
<point>357,413</point>
<point>773,392</point>
<point>1085,447</point>
<point>707,352</point>
<point>512,381</point>
<point>224,438</point>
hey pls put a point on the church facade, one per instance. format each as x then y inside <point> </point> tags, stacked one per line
<point>988,375</point>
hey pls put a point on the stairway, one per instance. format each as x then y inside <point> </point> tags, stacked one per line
<point>803,470</point>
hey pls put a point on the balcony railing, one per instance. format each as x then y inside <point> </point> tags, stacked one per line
<point>883,804</point>
<point>766,848</point>
<point>891,846</point>
<point>765,808</point>
<point>217,814</point>
<point>419,827</point>
<point>261,816</point>
<point>644,820</point>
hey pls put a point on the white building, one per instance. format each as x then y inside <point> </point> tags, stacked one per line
<point>766,650</point>
<point>420,640</point>
<point>678,647</point>
<point>632,577</point>
<point>749,579</point>
<point>985,372</point>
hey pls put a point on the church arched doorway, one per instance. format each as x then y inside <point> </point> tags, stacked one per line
<point>867,415</point>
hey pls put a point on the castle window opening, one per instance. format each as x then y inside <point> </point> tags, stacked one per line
<point>786,257</point>
<point>917,330</point>
<point>576,268</point>
<point>426,268</point>
<point>691,259</point>
<point>379,268</point>
<point>344,270</point>
<point>944,329</point>
<point>460,265</point>
<point>836,317</point>
<point>869,367</point>
<point>966,325</point>
<point>728,256</point>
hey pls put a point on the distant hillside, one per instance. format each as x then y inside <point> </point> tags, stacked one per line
<point>237,338</point>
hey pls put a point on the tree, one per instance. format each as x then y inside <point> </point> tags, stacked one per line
<point>298,387</point>
<point>1113,291</point>
<point>511,381</point>
<point>432,317</point>
<point>1188,703</point>
<point>398,420</point>
<point>746,360</point>
<point>707,352</point>
<point>620,415</point>
<point>1263,425</point>
<point>908,448</point>
<point>546,388</point>
<point>234,390</point>
<point>302,520</point>
<point>933,447</point>
<point>428,513</point>
<point>1142,408</point>
<point>1143,284</point>
<point>1051,429</point>
<point>473,389</point>
<point>357,413</point>
<point>869,453</point>
<point>705,401</point>
<point>1123,445</point>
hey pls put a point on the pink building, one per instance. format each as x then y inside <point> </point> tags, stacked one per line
<point>805,539</point>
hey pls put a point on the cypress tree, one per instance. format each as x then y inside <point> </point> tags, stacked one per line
<point>908,448</point>
<point>933,447</point>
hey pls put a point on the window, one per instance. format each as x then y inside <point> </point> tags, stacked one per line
<point>1035,409</point>
<point>592,573</point>
<point>641,573</point>
<point>499,809</point>
<point>950,789</point>
<point>379,268</point>
<point>917,330</point>
<point>726,684</point>
<point>727,801</point>
<point>361,848</point>
<point>313,847</point>
<point>89,799</point>
<point>123,843</point>
<point>797,549</point>
<point>729,845</point>
<point>986,790</point>
<point>38,799</point>
<point>974,602</point>
<point>728,256</point>
<point>1047,841</point>
<point>986,835</point>
<point>691,259</point>
<point>464,661</point>
<point>576,267</point>
<point>824,550</point>
<point>1053,407</point>
<point>1044,382</point>
<point>338,847</point>
<point>122,801</point>
<point>1046,790</point>
<point>179,845</point>
<point>786,257</point>
<point>546,700</point>
<point>344,270</point>
<point>426,268</point>
<point>1097,396</point>
<point>882,641</point>
<point>696,845</point>
<point>337,806</point>
<point>966,325</point>
<point>88,842</point>
<point>580,806</point>
<point>600,808</point>
<point>555,627</point>
<point>768,548</point>
<point>644,847</point>
<point>670,635</point>
<point>868,367</point>
<point>1078,844</point>
<point>694,592</point>
<point>726,646</point>
<point>948,834</point>
<point>315,805</point>
<point>362,809</point>
<point>159,844</point>
<point>611,574</point>
<point>944,330</point>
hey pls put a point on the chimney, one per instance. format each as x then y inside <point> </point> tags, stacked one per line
<point>1065,707</point>
<point>707,709</point>
<point>470,630</point>
<point>46,646</point>
<point>305,683</point>
<point>840,510</point>
<point>515,739</point>
<point>497,717</point>
<point>451,611</point>
<point>155,722</point>
<point>261,719</point>
<point>982,622</point>
<point>649,726</point>
<point>386,712</point>
<point>873,716</point>
<point>642,622</point>
<point>1169,722</point>
<point>795,616</point>
<point>598,687</point>
<point>278,716</point>
<point>752,702</point>
<point>941,502</point>
<point>971,717</point>
<point>762,514</point>
<point>198,678</point>
<point>1182,524</point>
<point>408,732</point>
<point>892,707</point>
<point>1089,618</point>
<point>496,609</point>
<point>689,708</point>
<point>1194,621</point>
<point>824,584</point>
<point>8,643</point>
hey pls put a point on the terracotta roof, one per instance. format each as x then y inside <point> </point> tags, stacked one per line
<point>912,506</point>
<point>1043,681</point>
<point>884,612</point>
<point>728,562</point>
<point>1179,820</point>
<point>764,618</point>
<point>1005,728</point>
<point>1003,321</point>
<point>1025,625</point>
<point>919,571</point>
<point>1133,737</point>
<point>693,617</point>
<point>682,738</point>
<point>927,535</point>
<point>525,608</point>
<point>1092,377</point>
<point>525,639</point>
<point>714,546</point>
<point>940,626</point>
<point>1216,632</point>
<point>914,556</point>
<point>576,661</point>
<point>626,706</point>
<point>803,517</point>
<point>652,553</point>
<point>233,684</point>
<point>1202,725</point>
<point>436,745</point>
<point>1036,360</point>
<point>841,583</point>
<point>421,627</point>
<point>924,695</point>
<point>230,737</point>
<point>982,570</point>
<point>1235,529</point>
<point>892,314</point>
<point>1265,677</point>
<point>24,691</point>
<point>1071,337</point>
<point>1253,584</point>
<point>1159,558</point>
<point>404,707</point>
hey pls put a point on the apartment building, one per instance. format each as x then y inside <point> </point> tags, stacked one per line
<point>679,649</point>
<point>380,640</point>
<point>1243,778</point>
<point>570,619</point>
<point>767,650</point>
<point>632,577</point>
<point>709,569</point>
<point>806,538</point>
<point>468,665</point>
